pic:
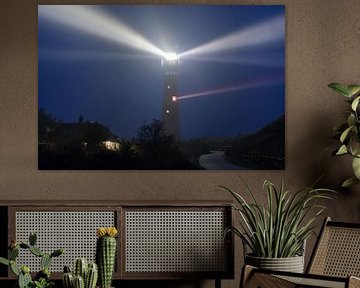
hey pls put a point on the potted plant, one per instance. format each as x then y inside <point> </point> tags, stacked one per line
<point>42,278</point>
<point>348,132</point>
<point>276,233</point>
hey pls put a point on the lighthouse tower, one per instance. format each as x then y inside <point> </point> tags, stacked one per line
<point>171,114</point>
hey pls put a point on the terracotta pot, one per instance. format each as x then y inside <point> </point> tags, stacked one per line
<point>291,264</point>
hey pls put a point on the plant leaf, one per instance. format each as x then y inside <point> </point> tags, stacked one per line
<point>356,167</point>
<point>353,89</point>
<point>342,150</point>
<point>355,103</point>
<point>340,88</point>
<point>345,134</point>
<point>349,182</point>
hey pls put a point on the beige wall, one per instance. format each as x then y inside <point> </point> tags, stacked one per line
<point>322,46</point>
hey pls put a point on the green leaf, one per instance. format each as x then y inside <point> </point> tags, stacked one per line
<point>340,88</point>
<point>353,89</point>
<point>349,182</point>
<point>355,103</point>
<point>342,150</point>
<point>356,167</point>
<point>345,134</point>
<point>4,261</point>
<point>351,120</point>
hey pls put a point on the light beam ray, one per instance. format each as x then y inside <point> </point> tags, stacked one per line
<point>262,33</point>
<point>97,23</point>
<point>255,60</point>
<point>78,55</point>
<point>258,83</point>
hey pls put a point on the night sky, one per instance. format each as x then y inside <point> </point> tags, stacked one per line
<point>122,87</point>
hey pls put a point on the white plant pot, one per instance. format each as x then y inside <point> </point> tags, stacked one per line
<point>291,264</point>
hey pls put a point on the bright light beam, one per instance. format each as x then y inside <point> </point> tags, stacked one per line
<point>262,33</point>
<point>244,86</point>
<point>95,22</point>
<point>79,55</point>
<point>254,60</point>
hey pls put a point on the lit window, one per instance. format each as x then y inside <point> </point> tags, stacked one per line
<point>168,87</point>
<point>167,111</point>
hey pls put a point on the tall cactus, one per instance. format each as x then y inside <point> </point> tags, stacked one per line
<point>106,254</point>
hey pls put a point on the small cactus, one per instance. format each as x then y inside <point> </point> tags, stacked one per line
<point>80,268</point>
<point>24,277</point>
<point>106,254</point>
<point>32,238</point>
<point>90,272</point>
<point>13,253</point>
<point>42,278</point>
<point>45,261</point>
<point>68,280</point>
<point>36,251</point>
<point>91,276</point>
<point>79,282</point>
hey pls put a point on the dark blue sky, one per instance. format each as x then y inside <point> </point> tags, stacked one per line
<point>121,87</point>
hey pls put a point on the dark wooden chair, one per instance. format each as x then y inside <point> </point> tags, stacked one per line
<point>335,262</point>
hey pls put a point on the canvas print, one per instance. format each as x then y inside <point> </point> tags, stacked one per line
<point>164,87</point>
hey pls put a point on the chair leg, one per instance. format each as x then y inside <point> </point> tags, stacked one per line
<point>246,273</point>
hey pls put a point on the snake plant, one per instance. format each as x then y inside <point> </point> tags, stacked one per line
<point>279,228</point>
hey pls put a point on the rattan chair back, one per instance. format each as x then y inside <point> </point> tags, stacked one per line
<point>337,252</point>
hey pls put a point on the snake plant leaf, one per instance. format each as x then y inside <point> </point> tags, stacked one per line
<point>342,150</point>
<point>349,182</point>
<point>355,103</point>
<point>353,89</point>
<point>356,167</point>
<point>340,88</point>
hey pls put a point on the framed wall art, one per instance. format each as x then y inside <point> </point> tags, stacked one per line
<point>161,87</point>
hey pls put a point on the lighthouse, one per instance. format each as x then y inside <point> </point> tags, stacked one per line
<point>170,110</point>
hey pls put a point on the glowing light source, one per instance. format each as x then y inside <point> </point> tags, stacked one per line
<point>171,56</point>
<point>167,111</point>
<point>174,98</point>
<point>95,22</point>
<point>259,34</point>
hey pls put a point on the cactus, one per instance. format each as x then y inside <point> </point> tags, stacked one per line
<point>45,261</point>
<point>90,272</point>
<point>80,267</point>
<point>91,276</point>
<point>24,277</point>
<point>13,253</point>
<point>79,282</point>
<point>36,251</point>
<point>42,278</point>
<point>105,254</point>
<point>32,238</point>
